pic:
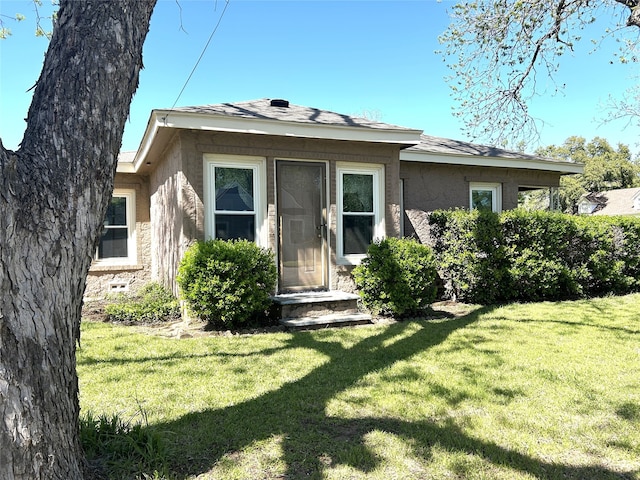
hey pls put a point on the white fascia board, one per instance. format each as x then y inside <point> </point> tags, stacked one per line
<point>481,161</point>
<point>147,140</point>
<point>207,121</point>
<point>223,123</point>
<point>125,167</point>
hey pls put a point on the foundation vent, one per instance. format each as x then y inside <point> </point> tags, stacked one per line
<point>118,286</point>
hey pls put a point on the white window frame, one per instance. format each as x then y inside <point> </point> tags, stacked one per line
<point>494,188</point>
<point>132,251</point>
<point>258,166</point>
<point>377,172</point>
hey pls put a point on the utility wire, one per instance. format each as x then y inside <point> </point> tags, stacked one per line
<point>226,4</point>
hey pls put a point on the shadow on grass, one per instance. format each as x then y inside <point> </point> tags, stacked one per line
<point>311,440</point>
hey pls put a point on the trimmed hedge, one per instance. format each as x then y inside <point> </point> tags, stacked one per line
<point>487,258</point>
<point>227,283</point>
<point>470,254</point>
<point>397,277</point>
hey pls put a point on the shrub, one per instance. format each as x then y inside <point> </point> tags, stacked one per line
<point>546,255</point>
<point>227,283</point>
<point>397,277</point>
<point>613,254</point>
<point>471,255</point>
<point>538,278</point>
<point>152,303</point>
<point>530,256</point>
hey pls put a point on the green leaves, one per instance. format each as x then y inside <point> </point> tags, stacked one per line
<point>529,256</point>
<point>605,168</point>
<point>152,304</point>
<point>397,277</point>
<point>499,51</point>
<point>227,283</point>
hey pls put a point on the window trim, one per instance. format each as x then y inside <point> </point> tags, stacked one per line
<point>258,166</point>
<point>132,250</point>
<point>494,188</point>
<point>377,172</point>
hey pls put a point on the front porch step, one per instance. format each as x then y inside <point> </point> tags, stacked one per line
<point>315,304</point>
<point>318,309</point>
<point>341,320</point>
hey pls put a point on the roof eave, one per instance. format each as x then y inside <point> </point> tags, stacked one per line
<point>125,167</point>
<point>160,119</point>
<point>563,168</point>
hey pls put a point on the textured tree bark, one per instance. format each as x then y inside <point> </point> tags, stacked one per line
<point>634,9</point>
<point>53,195</point>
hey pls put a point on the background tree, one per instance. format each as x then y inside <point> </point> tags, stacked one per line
<point>53,195</point>
<point>605,168</point>
<point>499,49</point>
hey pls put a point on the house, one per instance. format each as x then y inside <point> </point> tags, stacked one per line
<point>621,201</point>
<point>316,187</point>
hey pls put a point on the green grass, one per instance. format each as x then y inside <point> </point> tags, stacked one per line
<point>544,390</point>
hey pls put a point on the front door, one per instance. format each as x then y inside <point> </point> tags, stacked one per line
<point>302,214</point>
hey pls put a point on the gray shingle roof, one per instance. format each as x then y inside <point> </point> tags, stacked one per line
<point>430,144</point>
<point>263,110</point>
<point>614,202</point>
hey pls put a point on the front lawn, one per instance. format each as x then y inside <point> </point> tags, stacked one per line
<point>544,390</point>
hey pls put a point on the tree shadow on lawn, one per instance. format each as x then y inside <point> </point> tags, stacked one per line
<point>311,440</point>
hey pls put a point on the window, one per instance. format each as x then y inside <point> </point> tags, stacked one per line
<point>360,207</point>
<point>586,207</point>
<point>117,244</point>
<point>485,196</point>
<point>234,187</point>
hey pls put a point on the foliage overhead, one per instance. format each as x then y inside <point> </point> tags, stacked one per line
<point>40,31</point>
<point>605,168</point>
<point>499,50</point>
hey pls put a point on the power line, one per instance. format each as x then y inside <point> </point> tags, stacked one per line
<point>226,4</point>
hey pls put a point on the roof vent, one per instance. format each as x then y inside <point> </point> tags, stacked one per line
<point>278,102</point>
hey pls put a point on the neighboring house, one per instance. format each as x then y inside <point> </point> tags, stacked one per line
<point>315,187</point>
<point>622,201</point>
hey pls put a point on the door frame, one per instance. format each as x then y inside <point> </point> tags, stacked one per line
<point>325,254</point>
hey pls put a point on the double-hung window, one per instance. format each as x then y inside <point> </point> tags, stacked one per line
<point>235,202</point>
<point>117,243</point>
<point>360,209</point>
<point>485,196</point>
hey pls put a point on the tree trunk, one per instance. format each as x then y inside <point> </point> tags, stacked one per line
<point>53,195</point>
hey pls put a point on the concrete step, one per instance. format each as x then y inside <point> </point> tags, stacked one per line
<point>324,321</point>
<point>309,310</point>
<point>315,304</point>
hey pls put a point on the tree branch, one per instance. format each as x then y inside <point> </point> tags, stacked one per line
<point>500,48</point>
<point>634,16</point>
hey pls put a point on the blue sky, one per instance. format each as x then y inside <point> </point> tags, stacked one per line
<point>354,57</point>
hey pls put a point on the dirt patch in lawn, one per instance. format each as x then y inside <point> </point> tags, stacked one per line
<point>93,311</point>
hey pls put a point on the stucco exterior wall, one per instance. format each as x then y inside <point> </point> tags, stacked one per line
<point>170,201</point>
<point>431,186</point>
<point>169,214</point>
<point>181,179</point>
<point>104,279</point>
